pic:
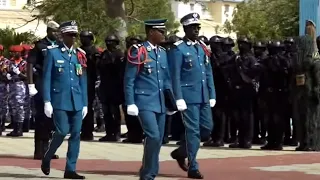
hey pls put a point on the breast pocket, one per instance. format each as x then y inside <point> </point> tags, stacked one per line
<point>188,63</point>
<point>59,67</point>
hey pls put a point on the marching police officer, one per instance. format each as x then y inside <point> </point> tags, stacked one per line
<point>111,69</point>
<point>135,133</point>
<point>43,125</point>
<point>194,90</point>
<point>65,97</point>
<point>145,82</point>
<point>92,54</point>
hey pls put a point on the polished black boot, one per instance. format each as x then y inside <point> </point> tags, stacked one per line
<point>72,175</point>
<point>195,175</point>
<point>180,160</point>
<point>45,146</point>
<point>17,130</point>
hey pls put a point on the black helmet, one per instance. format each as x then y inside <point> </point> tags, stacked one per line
<point>259,44</point>
<point>86,34</point>
<point>275,44</point>
<point>289,40</point>
<point>174,38</point>
<point>111,37</point>
<point>203,39</point>
<point>228,41</point>
<point>244,39</point>
<point>215,39</point>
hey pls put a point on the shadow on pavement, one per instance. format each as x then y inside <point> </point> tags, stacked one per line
<point>24,176</point>
<point>129,173</point>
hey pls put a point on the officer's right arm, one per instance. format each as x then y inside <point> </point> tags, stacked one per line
<point>32,60</point>
<point>175,57</point>
<point>47,72</point>
<point>129,78</point>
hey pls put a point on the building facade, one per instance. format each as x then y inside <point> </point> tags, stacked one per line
<point>14,15</point>
<point>213,14</point>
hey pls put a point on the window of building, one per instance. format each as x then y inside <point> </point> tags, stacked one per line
<point>191,7</point>
<point>226,8</point>
<point>3,3</point>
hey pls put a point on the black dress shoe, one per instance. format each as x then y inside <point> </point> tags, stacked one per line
<point>45,168</point>
<point>72,175</point>
<point>55,157</point>
<point>180,160</point>
<point>86,137</point>
<point>195,175</point>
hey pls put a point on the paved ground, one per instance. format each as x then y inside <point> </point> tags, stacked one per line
<point>117,161</point>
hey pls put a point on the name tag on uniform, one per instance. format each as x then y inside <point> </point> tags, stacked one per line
<point>60,61</point>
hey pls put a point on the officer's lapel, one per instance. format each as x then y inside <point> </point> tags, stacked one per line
<point>191,47</point>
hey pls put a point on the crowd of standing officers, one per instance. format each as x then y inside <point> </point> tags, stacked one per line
<point>265,94</point>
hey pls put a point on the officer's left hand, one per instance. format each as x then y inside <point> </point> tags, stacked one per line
<point>212,102</point>
<point>84,111</point>
<point>16,70</point>
<point>170,113</point>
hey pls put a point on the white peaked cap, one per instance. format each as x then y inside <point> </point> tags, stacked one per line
<point>53,25</point>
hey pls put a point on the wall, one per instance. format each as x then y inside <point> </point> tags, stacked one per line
<point>309,9</point>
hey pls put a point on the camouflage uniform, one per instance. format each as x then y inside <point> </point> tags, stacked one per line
<point>17,94</point>
<point>98,111</point>
<point>4,66</point>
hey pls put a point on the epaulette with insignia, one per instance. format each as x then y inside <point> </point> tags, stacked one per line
<point>81,50</point>
<point>52,46</point>
<point>178,42</point>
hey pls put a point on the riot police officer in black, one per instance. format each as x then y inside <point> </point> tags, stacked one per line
<point>290,135</point>
<point>111,68</point>
<point>92,54</point>
<point>259,105</point>
<point>277,100</point>
<point>243,88</point>
<point>135,133</point>
<point>218,112</point>
<point>43,125</point>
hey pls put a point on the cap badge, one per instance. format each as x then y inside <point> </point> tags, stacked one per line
<point>73,23</point>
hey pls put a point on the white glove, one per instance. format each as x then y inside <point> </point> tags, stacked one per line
<point>212,102</point>
<point>9,76</point>
<point>48,109</point>
<point>34,69</point>
<point>84,111</point>
<point>181,104</point>
<point>16,70</point>
<point>32,89</point>
<point>170,113</point>
<point>132,110</point>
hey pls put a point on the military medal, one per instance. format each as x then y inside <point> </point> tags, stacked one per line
<point>79,69</point>
<point>60,70</point>
<point>149,69</point>
<point>207,60</point>
<point>190,63</point>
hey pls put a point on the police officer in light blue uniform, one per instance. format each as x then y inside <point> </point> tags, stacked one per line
<point>65,97</point>
<point>193,87</point>
<point>146,78</point>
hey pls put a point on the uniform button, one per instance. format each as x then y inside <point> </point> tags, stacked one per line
<point>158,71</point>
<point>159,56</point>
<point>202,72</point>
<point>159,89</point>
<point>71,71</point>
<point>159,80</point>
<point>200,64</point>
<point>198,56</point>
<point>203,80</point>
<point>186,84</point>
<point>71,87</point>
<point>157,62</point>
<point>70,63</point>
<point>142,92</point>
<point>71,79</point>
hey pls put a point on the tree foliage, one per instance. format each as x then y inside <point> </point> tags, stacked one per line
<point>267,19</point>
<point>94,15</point>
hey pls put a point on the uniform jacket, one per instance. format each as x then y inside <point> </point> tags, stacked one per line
<point>191,73</point>
<point>145,87</point>
<point>61,85</point>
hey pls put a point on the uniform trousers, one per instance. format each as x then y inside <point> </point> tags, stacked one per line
<point>153,125</point>
<point>66,122</point>
<point>195,118</point>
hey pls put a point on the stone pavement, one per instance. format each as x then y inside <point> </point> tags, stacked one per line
<point>118,161</point>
